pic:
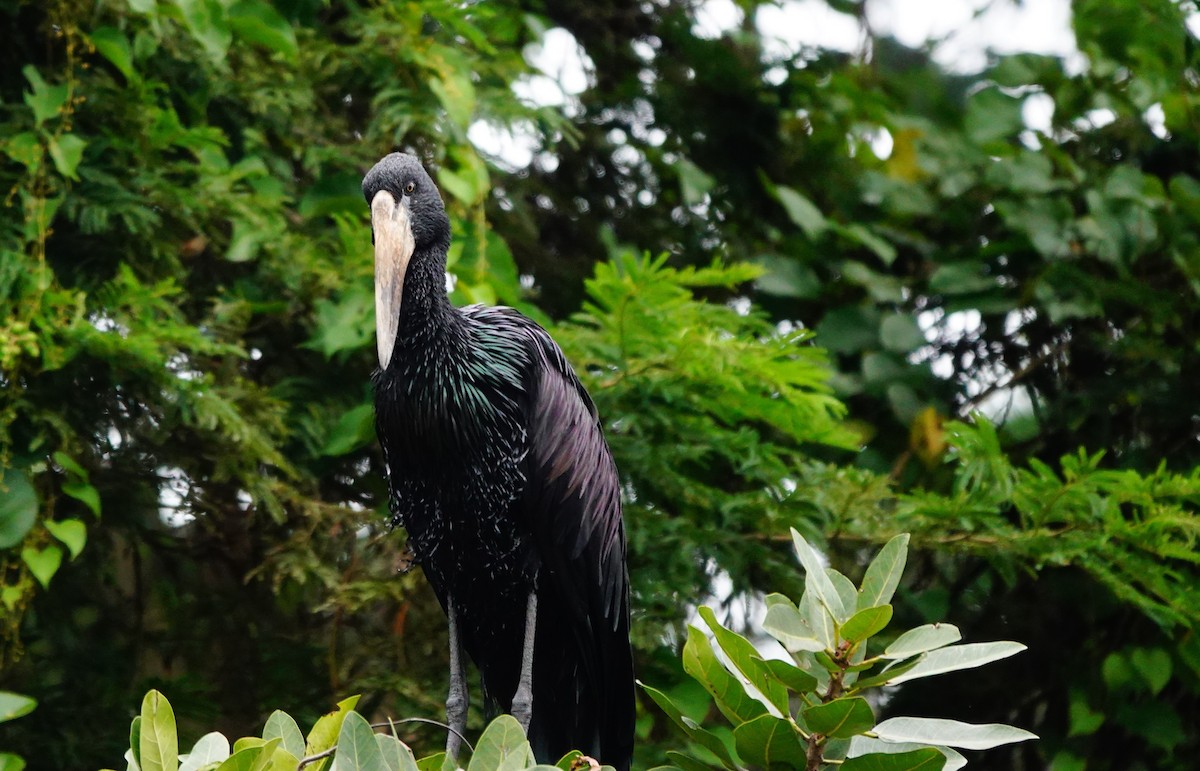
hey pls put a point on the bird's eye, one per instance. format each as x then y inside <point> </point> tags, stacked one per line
<point>411,186</point>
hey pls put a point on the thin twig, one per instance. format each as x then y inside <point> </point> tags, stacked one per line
<point>389,724</point>
<point>425,720</point>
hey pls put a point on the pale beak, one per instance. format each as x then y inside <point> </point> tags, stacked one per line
<point>394,245</point>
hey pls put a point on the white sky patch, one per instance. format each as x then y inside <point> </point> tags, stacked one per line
<point>792,26</point>
<point>715,18</point>
<point>968,29</point>
<point>1156,121</point>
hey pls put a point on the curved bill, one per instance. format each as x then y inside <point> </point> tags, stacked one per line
<point>394,246</point>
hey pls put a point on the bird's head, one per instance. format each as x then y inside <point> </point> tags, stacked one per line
<point>407,218</point>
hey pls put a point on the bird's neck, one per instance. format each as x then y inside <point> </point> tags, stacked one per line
<point>425,310</point>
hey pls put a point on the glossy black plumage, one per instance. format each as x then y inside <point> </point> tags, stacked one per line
<point>498,468</point>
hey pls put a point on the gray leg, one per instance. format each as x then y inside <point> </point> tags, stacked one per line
<point>456,701</point>
<point>522,705</point>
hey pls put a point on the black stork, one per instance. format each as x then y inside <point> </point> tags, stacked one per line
<point>497,467</point>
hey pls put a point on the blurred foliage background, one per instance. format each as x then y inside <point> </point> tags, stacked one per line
<point>191,495</point>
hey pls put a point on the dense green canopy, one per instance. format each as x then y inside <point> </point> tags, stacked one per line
<point>192,497</point>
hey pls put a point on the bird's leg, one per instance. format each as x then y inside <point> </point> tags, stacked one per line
<point>456,701</point>
<point>522,704</point>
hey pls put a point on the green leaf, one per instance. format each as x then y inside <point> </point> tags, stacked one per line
<point>694,731</point>
<point>71,532</point>
<point>1185,193</point>
<point>245,759</point>
<point>958,657</point>
<point>67,151</point>
<point>866,623</point>
<point>785,624</point>
<point>43,563</point>
<point>208,24</point>
<point>992,116</point>
<point>435,762</point>
<point>815,578</point>
<point>15,705</point>
<point>921,639</point>
<point>883,574</point>
<point>769,742</point>
<point>135,740</point>
<point>208,749</point>
<point>157,742</point>
<point>791,676</point>
<point>951,733</point>
<point>258,22</point>
<point>45,100</point>
<point>324,734</point>
<point>817,618</point>
<point>281,725</point>
<point>926,759</point>
<point>801,211</point>
<point>457,94</point>
<point>860,233</point>
<point>865,745</point>
<point>1154,665</point>
<point>1084,721</point>
<point>18,507</point>
<point>112,45</point>
<point>693,181</point>
<point>849,329</point>
<point>357,749</point>
<point>700,662</point>
<point>24,148</point>
<point>83,492</point>
<point>333,194</point>
<point>502,747</point>
<point>899,332</point>
<point>11,762</point>
<point>747,660</point>
<point>840,718</point>
<point>355,429</point>
<point>396,754</point>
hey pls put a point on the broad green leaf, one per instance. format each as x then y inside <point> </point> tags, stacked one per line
<point>435,762</point>
<point>900,332</point>
<point>25,148</point>
<point>333,194</point>
<point>457,94</point>
<point>159,746</point>
<point>1154,665</point>
<point>355,429</point>
<point>112,45</point>
<point>865,745</point>
<point>324,734</point>
<point>42,563</point>
<point>816,617</point>
<point>791,676</point>
<point>18,507</point>
<point>686,762</point>
<point>135,740</point>
<point>281,725</point>
<point>863,235</point>
<point>245,759</point>
<point>926,730</point>
<point>747,660</point>
<point>784,623</point>
<point>695,183</point>
<point>694,731</point>
<point>15,705</point>
<point>502,747</point>
<point>865,623</point>
<point>357,749</point>
<point>11,762</point>
<point>67,151</point>
<point>209,25</point>
<point>396,754</point>
<point>801,211</point>
<point>45,100</point>
<point>958,657</point>
<point>1084,721</point>
<point>925,759</point>
<point>769,742</point>
<point>700,662</point>
<point>1185,193</point>
<point>71,532</point>
<point>992,116</point>
<point>846,590</point>
<point>923,638</point>
<point>258,22</point>
<point>883,574</point>
<point>815,578</point>
<point>210,748</point>
<point>84,493</point>
<point>567,762</point>
<point>840,718</point>
<point>887,674</point>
